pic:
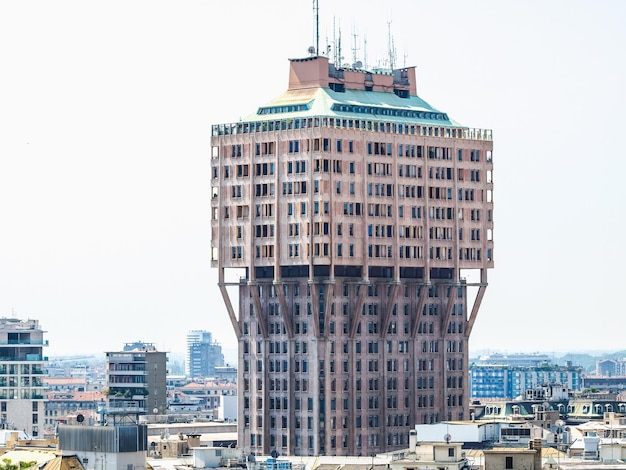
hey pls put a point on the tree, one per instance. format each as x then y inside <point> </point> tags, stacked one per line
<point>7,465</point>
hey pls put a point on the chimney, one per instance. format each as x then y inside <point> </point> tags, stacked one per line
<point>535,444</point>
<point>412,440</point>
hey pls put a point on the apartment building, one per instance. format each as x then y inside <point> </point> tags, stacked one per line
<point>509,382</point>
<point>136,381</point>
<point>349,206</point>
<point>22,375</point>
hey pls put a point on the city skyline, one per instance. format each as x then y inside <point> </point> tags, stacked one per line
<point>105,159</point>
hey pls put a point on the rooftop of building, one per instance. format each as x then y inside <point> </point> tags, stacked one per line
<point>18,324</point>
<point>356,104</point>
<point>319,89</point>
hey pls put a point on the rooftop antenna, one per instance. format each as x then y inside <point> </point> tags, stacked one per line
<point>335,57</point>
<point>365,52</point>
<point>355,48</point>
<point>316,10</point>
<point>392,49</point>
<point>339,58</point>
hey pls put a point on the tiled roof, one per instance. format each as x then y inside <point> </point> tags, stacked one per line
<point>65,462</point>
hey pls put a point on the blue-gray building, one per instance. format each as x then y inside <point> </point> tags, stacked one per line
<point>203,355</point>
<point>508,381</point>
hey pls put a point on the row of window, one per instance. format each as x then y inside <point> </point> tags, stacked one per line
<point>395,439</point>
<point>361,124</point>
<point>372,148</point>
<point>402,346</point>
<point>373,251</point>
<point>355,208</point>
<point>373,290</point>
<point>379,169</point>
<point>382,190</point>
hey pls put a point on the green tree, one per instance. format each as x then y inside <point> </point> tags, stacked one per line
<point>7,465</point>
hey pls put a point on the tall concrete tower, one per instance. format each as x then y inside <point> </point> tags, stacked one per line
<point>351,208</point>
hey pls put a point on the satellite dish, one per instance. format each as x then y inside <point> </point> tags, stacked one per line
<point>80,418</point>
<point>155,410</point>
<point>447,437</point>
<point>358,64</point>
<point>311,49</point>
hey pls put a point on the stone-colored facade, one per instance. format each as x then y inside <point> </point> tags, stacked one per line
<point>350,205</point>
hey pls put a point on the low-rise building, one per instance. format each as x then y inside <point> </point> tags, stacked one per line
<point>66,407</point>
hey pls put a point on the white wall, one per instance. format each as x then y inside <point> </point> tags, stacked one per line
<point>227,410</point>
<point>469,432</point>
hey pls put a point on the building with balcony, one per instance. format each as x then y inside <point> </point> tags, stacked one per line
<point>203,355</point>
<point>356,222</point>
<point>136,381</point>
<point>22,375</point>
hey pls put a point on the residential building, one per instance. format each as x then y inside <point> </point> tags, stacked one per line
<point>608,383</point>
<point>203,355</point>
<point>226,374</point>
<point>210,393</point>
<point>71,407</point>
<point>22,375</point>
<point>512,381</point>
<point>349,207</point>
<point>136,381</point>
<point>514,360</point>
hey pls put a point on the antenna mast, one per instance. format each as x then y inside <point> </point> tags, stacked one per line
<point>316,10</point>
<point>355,48</point>
<point>365,52</point>
<point>392,48</point>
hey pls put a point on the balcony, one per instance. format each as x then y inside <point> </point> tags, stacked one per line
<point>126,372</point>
<point>126,410</point>
<point>24,358</point>
<point>24,342</point>
<point>125,385</point>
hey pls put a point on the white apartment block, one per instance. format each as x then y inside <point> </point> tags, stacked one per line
<point>22,376</point>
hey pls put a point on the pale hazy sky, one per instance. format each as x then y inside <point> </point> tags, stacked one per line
<point>105,115</point>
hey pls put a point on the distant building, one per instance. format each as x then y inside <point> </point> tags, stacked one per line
<point>71,407</point>
<point>203,355</point>
<point>226,374</point>
<point>508,381</point>
<point>136,381</point>
<point>22,375</point>
<point>514,360</point>
<point>611,367</point>
<point>609,383</point>
<point>210,393</point>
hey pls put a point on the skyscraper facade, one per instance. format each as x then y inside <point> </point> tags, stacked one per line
<point>349,207</point>
<point>203,355</point>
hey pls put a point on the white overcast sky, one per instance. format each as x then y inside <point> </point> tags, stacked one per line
<point>105,115</point>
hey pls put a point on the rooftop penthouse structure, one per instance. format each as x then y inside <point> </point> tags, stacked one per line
<point>350,206</point>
